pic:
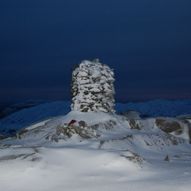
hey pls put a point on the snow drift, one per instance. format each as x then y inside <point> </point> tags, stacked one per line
<point>119,154</point>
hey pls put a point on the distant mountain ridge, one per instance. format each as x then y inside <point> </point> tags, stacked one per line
<point>7,109</point>
<point>160,107</point>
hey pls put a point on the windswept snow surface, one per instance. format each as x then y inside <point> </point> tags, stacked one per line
<point>76,168</point>
<point>117,158</point>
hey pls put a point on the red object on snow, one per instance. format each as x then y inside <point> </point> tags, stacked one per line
<point>72,122</point>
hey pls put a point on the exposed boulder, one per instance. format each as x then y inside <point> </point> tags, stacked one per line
<point>132,114</point>
<point>169,125</point>
<point>73,128</point>
<point>2,137</point>
<point>176,127</point>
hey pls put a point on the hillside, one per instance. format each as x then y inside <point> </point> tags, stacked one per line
<point>98,151</point>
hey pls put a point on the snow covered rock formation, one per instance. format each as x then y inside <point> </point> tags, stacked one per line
<point>92,87</point>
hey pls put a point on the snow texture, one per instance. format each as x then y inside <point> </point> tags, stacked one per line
<point>119,157</point>
<point>92,87</point>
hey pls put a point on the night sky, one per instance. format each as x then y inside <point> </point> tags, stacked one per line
<point>146,42</point>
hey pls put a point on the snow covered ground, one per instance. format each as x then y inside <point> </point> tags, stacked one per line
<point>116,156</point>
<point>78,168</point>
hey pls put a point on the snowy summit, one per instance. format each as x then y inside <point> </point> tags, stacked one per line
<point>93,148</point>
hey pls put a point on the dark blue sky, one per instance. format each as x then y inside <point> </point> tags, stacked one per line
<point>147,42</point>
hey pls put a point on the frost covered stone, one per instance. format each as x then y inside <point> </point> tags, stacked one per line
<point>92,87</point>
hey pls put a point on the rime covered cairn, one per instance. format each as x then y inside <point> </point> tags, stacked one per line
<point>93,87</point>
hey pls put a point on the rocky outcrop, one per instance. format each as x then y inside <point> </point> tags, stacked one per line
<point>177,127</point>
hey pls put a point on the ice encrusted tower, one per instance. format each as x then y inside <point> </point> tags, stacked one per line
<point>93,87</point>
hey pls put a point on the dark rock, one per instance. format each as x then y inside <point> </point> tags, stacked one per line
<point>167,158</point>
<point>169,126</point>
